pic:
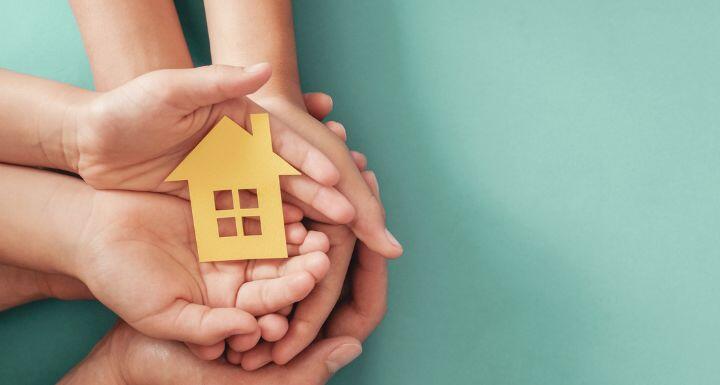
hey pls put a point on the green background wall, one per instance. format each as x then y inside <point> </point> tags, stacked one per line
<point>550,166</point>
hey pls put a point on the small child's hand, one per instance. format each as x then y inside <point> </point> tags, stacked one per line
<point>132,137</point>
<point>265,288</point>
<point>139,260</point>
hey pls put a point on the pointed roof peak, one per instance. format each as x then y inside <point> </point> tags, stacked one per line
<point>230,151</point>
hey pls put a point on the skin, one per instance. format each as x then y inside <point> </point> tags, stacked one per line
<point>127,39</point>
<point>19,286</point>
<point>135,253</point>
<point>270,38</point>
<point>127,357</point>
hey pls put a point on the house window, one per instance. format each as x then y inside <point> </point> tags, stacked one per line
<point>237,213</point>
<point>248,198</point>
<point>223,200</point>
<point>251,226</point>
<point>227,227</point>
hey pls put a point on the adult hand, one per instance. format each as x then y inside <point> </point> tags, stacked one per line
<point>311,313</point>
<point>132,137</point>
<point>126,357</point>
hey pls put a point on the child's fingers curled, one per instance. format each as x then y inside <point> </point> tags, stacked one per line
<point>233,357</point>
<point>272,326</point>
<point>258,356</point>
<point>244,342</point>
<point>207,353</point>
<point>270,295</point>
<point>195,323</point>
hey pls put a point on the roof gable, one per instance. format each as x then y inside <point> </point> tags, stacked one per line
<point>229,153</point>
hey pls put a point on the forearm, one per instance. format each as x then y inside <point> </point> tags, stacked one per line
<point>38,121</point>
<point>43,217</point>
<point>19,286</point>
<point>243,32</point>
<point>125,39</point>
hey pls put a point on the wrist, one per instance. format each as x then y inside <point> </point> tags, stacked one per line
<point>74,118</point>
<point>18,286</point>
<point>72,229</point>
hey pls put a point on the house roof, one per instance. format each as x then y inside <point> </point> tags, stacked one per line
<point>228,153</point>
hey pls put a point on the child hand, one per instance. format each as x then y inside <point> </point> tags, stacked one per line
<point>265,288</point>
<point>140,261</point>
<point>132,137</point>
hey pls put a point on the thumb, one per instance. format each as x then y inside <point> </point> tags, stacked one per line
<point>197,324</point>
<point>323,359</point>
<point>191,88</point>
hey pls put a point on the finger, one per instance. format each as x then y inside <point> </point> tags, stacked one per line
<point>315,241</point>
<point>195,323</point>
<point>316,263</point>
<point>311,313</point>
<point>291,213</point>
<point>295,233</point>
<point>270,295</point>
<point>359,159</point>
<point>233,357</point>
<point>371,180</point>
<point>307,211</point>
<point>326,200</point>
<point>337,129</point>
<point>285,311</point>
<point>273,326</point>
<point>188,89</point>
<point>301,154</point>
<point>369,222</point>
<point>244,342</point>
<point>323,359</point>
<point>359,316</point>
<point>318,104</point>
<point>207,353</point>
<point>257,357</point>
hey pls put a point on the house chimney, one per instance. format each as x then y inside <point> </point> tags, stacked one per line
<point>261,130</point>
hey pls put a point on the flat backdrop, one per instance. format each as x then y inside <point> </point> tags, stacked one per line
<point>550,166</point>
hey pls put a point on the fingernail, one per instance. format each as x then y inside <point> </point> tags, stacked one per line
<point>341,356</point>
<point>391,238</point>
<point>256,68</point>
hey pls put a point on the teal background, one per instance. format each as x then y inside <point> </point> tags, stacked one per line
<point>550,166</point>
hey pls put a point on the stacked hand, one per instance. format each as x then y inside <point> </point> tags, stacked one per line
<point>126,237</point>
<point>132,137</point>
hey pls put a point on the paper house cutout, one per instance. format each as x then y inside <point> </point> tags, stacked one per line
<point>231,159</point>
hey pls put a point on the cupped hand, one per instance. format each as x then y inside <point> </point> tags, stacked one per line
<point>132,137</point>
<point>126,357</point>
<point>140,261</point>
<point>311,313</point>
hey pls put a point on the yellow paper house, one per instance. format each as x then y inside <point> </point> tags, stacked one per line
<point>227,165</point>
